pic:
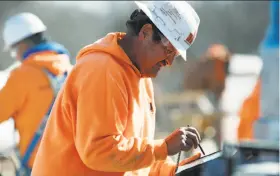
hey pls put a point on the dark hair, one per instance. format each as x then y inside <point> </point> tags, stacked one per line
<point>137,20</point>
<point>36,39</point>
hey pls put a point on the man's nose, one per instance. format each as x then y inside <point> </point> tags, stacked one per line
<point>162,63</point>
<point>170,59</point>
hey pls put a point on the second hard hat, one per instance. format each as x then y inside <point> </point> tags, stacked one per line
<point>21,26</point>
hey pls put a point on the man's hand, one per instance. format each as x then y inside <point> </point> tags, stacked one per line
<point>182,139</point>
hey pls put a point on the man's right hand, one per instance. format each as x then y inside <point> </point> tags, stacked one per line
<point>182,139</point>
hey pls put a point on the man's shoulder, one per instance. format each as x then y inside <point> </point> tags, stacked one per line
<point>15,78</point>
<point>18,71</point>
<point>97,66</point>
<point>98,61</point>
<point>25,71</point>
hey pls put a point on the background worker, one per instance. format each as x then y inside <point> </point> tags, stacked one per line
<point>31,87</point>
<point>209,73</point>
<point>103,121</point>
<point>259,114</point>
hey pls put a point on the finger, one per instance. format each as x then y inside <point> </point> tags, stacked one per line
<point>187,145</point>
<point>183,130</point>
<point>184,145</point>
<point>189,142</point>
<point>192,129</point>
<point>194,138</point>
<point>183,137</point>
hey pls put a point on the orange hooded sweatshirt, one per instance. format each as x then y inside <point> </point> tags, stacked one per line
<point>249,113</point>
<point>27,94</point>
<point>103,120</point>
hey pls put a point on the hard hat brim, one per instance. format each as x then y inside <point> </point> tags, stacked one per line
<point>183,54</point>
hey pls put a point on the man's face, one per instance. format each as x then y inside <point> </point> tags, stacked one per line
<point>153,55</point>
<point>17,51</point>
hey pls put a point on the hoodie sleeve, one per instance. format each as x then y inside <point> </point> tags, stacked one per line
<point>163,168</point>
<point>102,112</point>
<point>168,167</point>
<point>11,96</point>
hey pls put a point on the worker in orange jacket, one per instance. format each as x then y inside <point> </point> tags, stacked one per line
<point>209,73</point>
<point>103,121</point>
<point>263,102</point>
<point>31,87</point>
<point>249,113</point>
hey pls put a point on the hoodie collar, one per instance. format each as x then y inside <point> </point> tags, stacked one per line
<point>109,44</point>
<point>48,46</point>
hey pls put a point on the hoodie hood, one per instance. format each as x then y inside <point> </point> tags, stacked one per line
<point>48,55</point>
<point>55,63</point>
<point>108,44</point>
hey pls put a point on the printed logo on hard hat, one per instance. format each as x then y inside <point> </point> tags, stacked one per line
<point>189,40</point>
<point>168,10</point>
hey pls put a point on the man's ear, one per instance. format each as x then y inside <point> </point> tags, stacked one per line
<point>145,32</point>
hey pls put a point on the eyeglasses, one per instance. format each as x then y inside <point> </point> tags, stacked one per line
<point>168,47</point>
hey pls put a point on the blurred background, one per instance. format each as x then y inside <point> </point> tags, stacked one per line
<point>240,25</point>
<point>206,92</point>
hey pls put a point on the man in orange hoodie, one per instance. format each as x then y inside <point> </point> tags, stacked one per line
<point>103,120</point>
<point>31,87</point>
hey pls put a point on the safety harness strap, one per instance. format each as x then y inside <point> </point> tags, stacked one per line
<point>56,84</point>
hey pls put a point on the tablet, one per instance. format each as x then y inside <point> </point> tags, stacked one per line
<point>200,161</point>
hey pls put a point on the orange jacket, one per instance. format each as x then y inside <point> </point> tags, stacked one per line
<point>27,94</point>
<point>249,113</point>
<point>103,120</point>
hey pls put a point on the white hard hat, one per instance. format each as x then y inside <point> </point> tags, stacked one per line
<point>21,26</point>
<point>177,20</point>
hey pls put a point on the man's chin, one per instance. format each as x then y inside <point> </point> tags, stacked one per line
<point>149,75</point>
